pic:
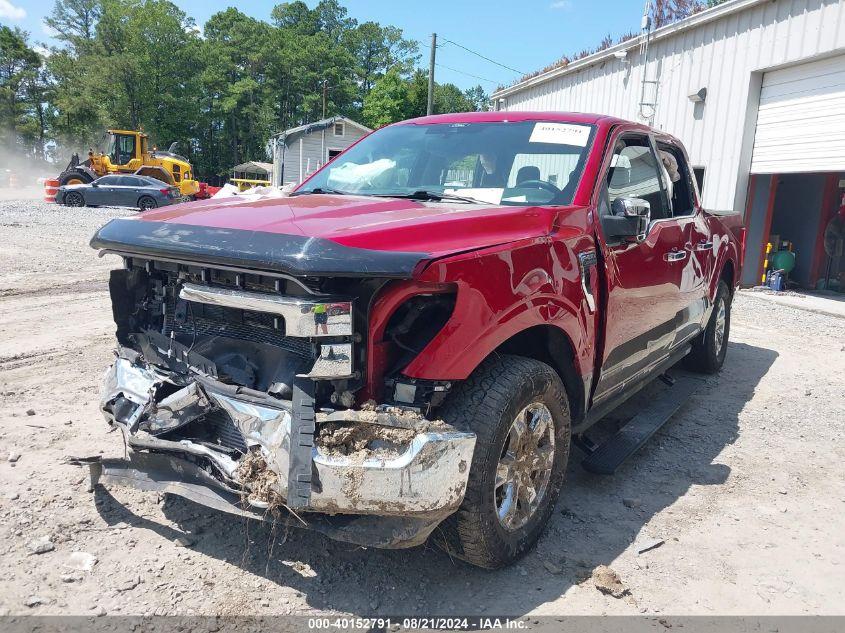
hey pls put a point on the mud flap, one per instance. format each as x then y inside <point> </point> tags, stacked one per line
<point>302,427</point>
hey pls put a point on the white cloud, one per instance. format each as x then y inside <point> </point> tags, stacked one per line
<point>564,5</point>
<point>42,50</point>
<point>10,11</point>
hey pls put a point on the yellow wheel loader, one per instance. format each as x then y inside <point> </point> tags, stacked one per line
<point>128,152</point>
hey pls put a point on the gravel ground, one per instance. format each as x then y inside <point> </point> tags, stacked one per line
<point>743,489</point>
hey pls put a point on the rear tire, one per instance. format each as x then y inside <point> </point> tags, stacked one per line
<point>496,524</point>
<point>146,203</point>
<point>709,350</point>
<point>74,199</point>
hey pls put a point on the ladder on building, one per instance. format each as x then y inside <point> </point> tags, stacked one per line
<point>649,86</point>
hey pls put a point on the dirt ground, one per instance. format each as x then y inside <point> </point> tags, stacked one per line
<point>742,492</point>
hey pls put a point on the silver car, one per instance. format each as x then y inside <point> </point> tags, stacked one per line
<point>117,190</point>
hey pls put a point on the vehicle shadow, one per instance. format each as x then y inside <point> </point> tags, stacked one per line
<point>591,524</point>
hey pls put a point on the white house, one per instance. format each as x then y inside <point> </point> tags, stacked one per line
<point>300,151</point>
<point>756,91</point>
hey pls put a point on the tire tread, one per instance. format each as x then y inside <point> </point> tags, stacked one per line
<point>477,405</point>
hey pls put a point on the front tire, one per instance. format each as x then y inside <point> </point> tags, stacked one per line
<point>518,409</point>
<point>74,199</point>
<point>709,350</point>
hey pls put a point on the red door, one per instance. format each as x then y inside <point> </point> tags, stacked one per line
<point>650,282</point>
<point>698,236</point>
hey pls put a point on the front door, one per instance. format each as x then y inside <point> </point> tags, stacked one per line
<point>124,149</point>
<point>100,191</point>
<point>645,278</point>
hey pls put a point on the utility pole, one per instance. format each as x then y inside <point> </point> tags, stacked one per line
<point>430,108</point>
<point>325,94</point>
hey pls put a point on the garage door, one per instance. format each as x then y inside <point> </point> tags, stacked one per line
<point>801,121</point>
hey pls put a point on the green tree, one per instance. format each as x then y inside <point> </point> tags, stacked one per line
<point>75,21</point>
<point>234,83</point>
<point>376,49</point>
<point>19,66</point>
<point>39,117</point>
<point>417,95</point>
<point>450,98</point>
<point>295,16</point>
<point>387,102</point>
<point>479,99</point>
<point>142,64</point>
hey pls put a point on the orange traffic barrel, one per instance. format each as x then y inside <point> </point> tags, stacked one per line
<point>51,188</point>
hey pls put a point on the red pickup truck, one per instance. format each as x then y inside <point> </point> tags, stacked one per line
<point>417,335</point>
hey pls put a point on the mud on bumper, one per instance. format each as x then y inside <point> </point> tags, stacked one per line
<point>379,477</point>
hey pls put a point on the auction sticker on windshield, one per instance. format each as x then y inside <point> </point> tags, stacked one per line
<point>560,134</point>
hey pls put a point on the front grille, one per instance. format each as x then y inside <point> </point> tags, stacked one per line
<point>256,327</point>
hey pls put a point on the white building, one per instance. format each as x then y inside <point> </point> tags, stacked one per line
<point>756,91</point>
<point>300,151</point>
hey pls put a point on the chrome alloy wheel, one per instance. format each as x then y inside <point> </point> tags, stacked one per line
<point>525,467</point>
<point>719,333</point>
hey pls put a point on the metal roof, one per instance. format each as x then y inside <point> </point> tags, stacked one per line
<point>693,21</point>
<point>254,166</point>
<point>322,124</point>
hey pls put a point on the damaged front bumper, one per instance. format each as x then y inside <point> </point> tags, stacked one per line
<point>379,477</point>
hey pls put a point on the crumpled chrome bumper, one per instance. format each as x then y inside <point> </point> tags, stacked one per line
<point>423,475</point>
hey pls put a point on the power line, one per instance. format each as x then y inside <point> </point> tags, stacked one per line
<point>455,70</point>
<point>492,61</point>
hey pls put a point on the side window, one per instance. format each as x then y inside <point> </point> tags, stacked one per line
<point>109,181</point>
<point>698,172</point>
<point>634,173</point>
<point>679,180</point>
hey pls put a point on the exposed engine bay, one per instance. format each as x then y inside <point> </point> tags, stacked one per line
<point>242,391</point>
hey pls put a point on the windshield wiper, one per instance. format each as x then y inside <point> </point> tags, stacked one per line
<point>422,194</point>
<point>320,190</point>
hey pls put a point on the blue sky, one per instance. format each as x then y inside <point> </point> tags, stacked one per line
<point>523,34</point>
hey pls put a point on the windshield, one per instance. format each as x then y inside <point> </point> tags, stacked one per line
<point>521,163</point>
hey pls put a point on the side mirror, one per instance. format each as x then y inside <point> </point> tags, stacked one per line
<point>631,208</point>
<point>628,220</point>
<point>95,184</point>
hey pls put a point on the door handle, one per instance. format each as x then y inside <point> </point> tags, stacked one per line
<point>675,256</point>
<point>587,260</point>
<point>704,245</point>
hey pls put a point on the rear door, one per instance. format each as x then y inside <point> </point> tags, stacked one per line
<point>131,189</point>
<point>686,209</point>
<point>644,277</point>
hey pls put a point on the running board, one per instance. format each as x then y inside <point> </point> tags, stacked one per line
<point>606,458</point>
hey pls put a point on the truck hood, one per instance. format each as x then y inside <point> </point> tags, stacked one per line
<point>321,234</point>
